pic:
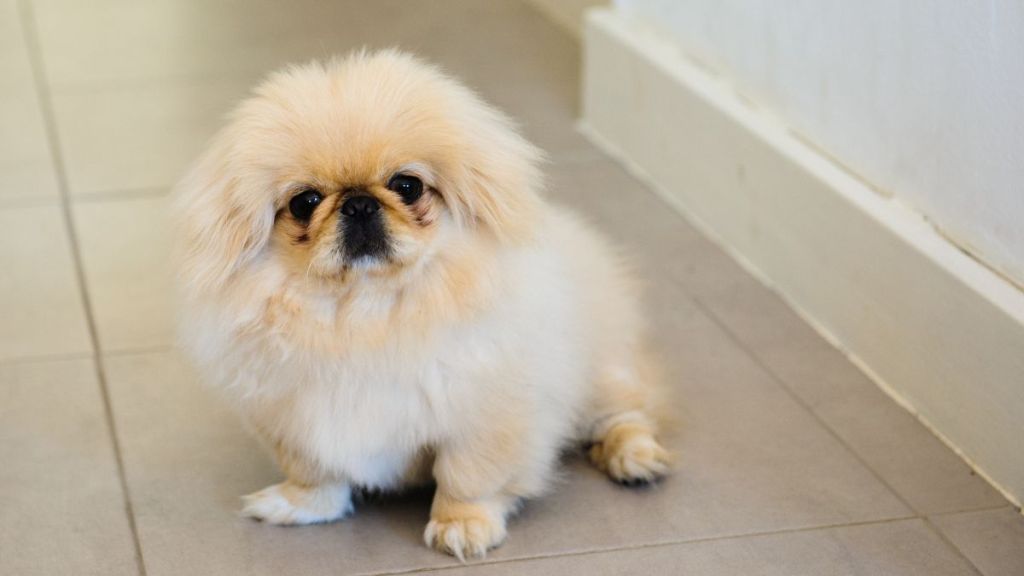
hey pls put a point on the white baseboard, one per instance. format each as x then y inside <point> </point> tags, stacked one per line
<point>939,332</point>
<point>566,13</point>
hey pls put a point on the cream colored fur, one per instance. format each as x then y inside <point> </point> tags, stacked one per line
<point>499,333</point>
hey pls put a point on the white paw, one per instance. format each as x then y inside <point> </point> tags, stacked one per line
<point>289,504</point>
<point>464,538</point>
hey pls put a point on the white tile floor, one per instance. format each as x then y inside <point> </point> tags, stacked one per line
<point>116,461</point>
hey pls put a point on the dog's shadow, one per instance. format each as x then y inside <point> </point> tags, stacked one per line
<point>403,513</point>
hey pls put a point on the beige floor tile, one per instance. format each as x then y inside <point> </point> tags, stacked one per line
<point>14,62</point>
<point>63,509</point>
<point>125,249</point>
<point>655,238</point>
<point>926,473</point>
<point>992,539</point>
<point>25,162</point>
<point>752,461</point>
<point>906,548</point>
<point>26,165</point>
<point>40,302</point>
<point>139,137</point>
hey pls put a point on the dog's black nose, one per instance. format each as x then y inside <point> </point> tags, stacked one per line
<point>360,206</point>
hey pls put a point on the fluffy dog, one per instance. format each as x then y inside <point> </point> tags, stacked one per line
<point>369,271</point>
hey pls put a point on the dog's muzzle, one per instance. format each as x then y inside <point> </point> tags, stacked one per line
<point>362,226</point>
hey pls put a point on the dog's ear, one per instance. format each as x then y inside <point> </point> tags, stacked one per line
<point>221,225</point>
<point>497,179</point>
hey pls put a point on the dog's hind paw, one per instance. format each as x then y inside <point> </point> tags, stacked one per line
<point>630,455</point>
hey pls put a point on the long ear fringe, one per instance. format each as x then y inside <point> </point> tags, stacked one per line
<point>499,183</point>
<point>219,229</point>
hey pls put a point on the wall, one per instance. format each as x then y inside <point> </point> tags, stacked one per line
<point>921,98</point>
<point>936,329</point>
<point>566,13</point>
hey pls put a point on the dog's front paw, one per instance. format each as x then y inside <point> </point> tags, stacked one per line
<point>467,531</point>
<point>288,504</point>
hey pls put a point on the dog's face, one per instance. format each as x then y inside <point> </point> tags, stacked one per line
<point>375,208</point>
<point>369,164</point>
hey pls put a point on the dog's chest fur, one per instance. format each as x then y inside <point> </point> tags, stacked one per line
<point>368,416</point>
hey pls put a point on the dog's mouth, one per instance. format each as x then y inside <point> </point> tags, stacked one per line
<point>365,240</point>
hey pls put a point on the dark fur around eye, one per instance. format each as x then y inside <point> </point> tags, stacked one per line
<point>410,188</point>
<point>304,203</point>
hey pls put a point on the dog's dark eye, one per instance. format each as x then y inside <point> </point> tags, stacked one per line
<point>302,204</point>
<point>410,188</point>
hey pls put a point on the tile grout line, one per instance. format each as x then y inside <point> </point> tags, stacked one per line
<point>140,351</point>
<point>1007,506</point>
<point>24,203</point>
<point>45,358</point>
<point>860,459</point>
<point>119,194</point>
<point>28,23</point>
<point>136,351</point>
<point>647,546</point>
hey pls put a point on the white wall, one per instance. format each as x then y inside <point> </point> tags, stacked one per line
<point>932,326</point>
<point>922,98</point>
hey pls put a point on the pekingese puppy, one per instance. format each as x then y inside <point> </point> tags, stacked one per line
<point>369,270</point>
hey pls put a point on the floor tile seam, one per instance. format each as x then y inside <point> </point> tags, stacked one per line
<point>117,194</point>
<point>32,40</point>
<point>28,202</point>
<point>27,359</point>
<point>978,510</point>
